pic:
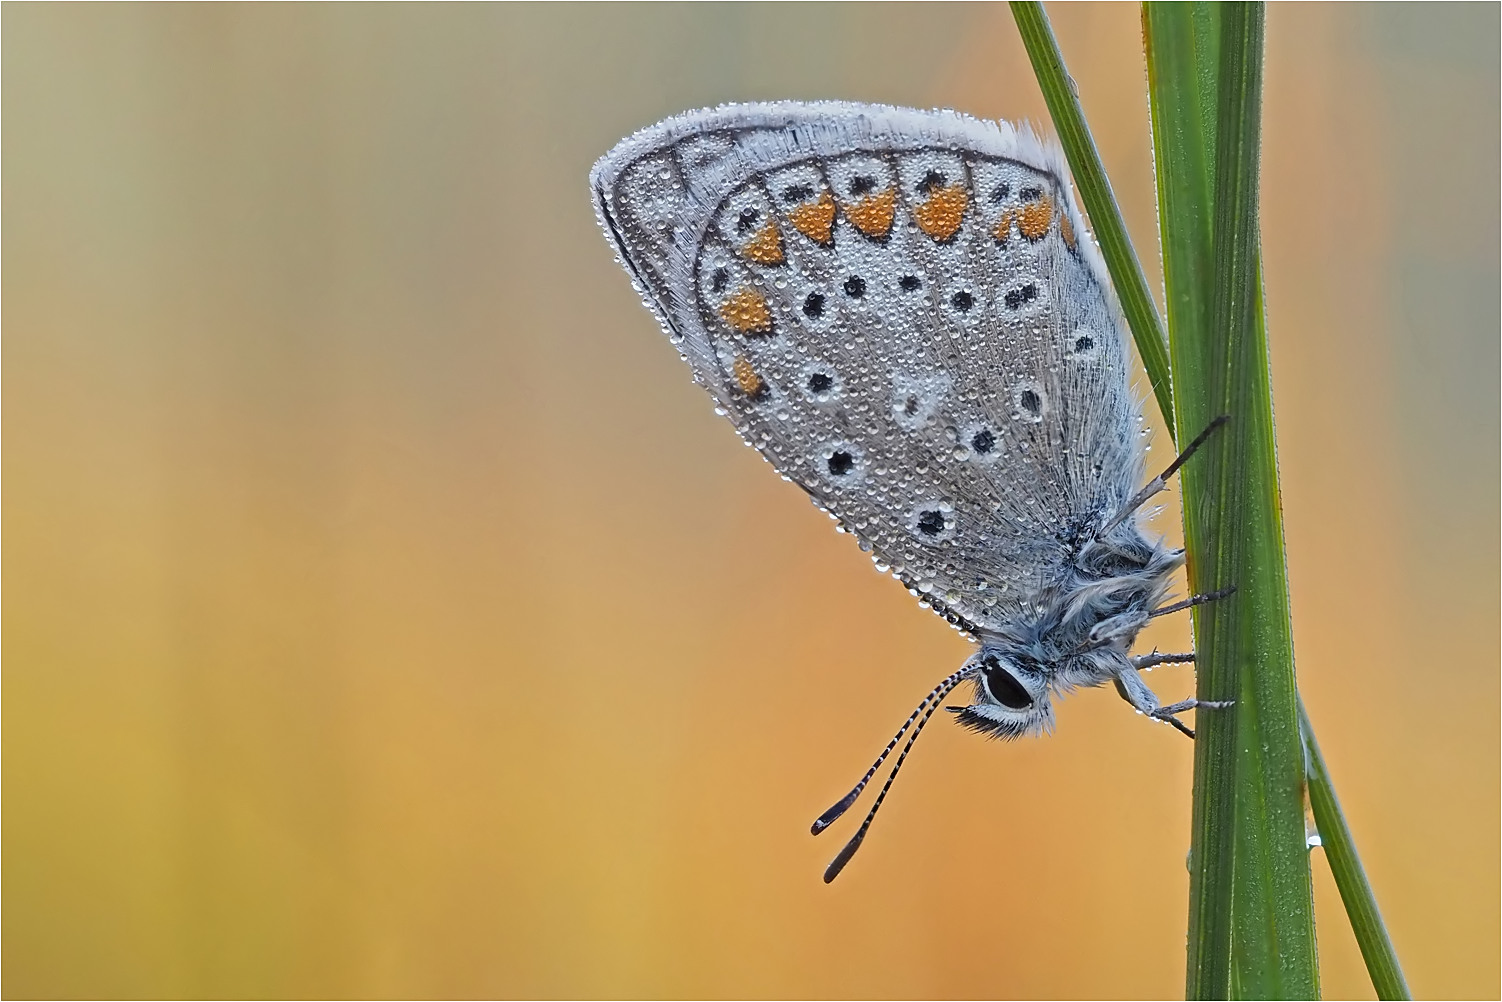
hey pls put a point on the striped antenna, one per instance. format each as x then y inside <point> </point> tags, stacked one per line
<point>832,815</point>
<point>932,703</point>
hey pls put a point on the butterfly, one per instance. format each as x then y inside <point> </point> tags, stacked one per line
<point>903,312</point>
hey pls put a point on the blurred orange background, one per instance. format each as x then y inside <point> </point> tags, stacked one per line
<point>388,615</point>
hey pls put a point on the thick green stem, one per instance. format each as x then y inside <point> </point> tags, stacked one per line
<point>1258,940</point>
<point>1251,918</point>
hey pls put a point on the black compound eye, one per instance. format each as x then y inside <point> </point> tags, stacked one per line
<point>1005,689</point>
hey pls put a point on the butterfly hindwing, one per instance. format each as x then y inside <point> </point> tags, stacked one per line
<point>901,312</point>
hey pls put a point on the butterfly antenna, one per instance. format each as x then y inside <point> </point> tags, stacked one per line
<point>934,698</point>
<point>1159,482</point>
<point>832,815</point>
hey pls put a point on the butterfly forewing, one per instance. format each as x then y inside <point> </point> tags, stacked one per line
<point>900,311</point>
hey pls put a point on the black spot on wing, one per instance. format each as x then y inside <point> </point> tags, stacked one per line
<point>1015,298</point>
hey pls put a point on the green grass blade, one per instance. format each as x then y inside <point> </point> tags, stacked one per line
<point>1183,57</point>
<point>1273,896</point>
<point>1100,204</point>
<point>1350,879</point>
<point>1182,45</point>
<point>1272,910</point>
<point>1255,938</point>
<point>1258,942</point>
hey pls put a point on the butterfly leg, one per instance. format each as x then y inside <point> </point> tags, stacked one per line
<point>1154,659</point>
<point>1132,689</point>
<point>1191,602</point>
<point>1160,482</point>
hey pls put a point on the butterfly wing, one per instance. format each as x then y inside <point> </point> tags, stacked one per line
<point>900,310</point>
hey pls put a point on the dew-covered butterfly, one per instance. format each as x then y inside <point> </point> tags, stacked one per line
<point>902,311</point>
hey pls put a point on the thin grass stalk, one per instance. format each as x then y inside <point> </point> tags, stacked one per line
<point>1094,187</point>
<point>1350,878</point>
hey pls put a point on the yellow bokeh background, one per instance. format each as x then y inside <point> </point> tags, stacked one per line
<point>387,614</point>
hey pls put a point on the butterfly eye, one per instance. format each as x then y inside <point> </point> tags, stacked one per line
<point>1003,688</point>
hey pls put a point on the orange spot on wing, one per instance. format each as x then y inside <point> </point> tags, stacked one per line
<point>873,214</point>
<point>750,383</point>
<point>1066,230</point>
<point>1003,228</point>
<point>1034,218</point>
<point>816,220</point>
<point>746,312</point>
<point>939,214</point>
<point>765,247</point>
